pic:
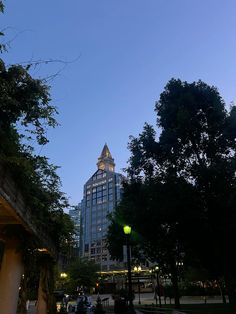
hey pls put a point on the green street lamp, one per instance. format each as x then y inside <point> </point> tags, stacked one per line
<point>127,231</point>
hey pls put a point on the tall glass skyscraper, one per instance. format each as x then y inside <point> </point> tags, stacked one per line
<point>102,192</point>
<point>75,215</point>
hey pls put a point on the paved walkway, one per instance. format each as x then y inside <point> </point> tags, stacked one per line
<point>145,298</point>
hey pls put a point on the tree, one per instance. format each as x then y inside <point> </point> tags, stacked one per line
<point>82,273</point>
<point>2,46</point>
<point>186,180</point>
<point>25,103</point>
<point>198,144</point>
<point>25,115</point>
<point>153,214</point>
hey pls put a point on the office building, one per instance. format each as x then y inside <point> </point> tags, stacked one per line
<point>75,215</point>
<point>102,192</point>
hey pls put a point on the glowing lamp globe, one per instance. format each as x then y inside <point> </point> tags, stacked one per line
<point>127,229</point>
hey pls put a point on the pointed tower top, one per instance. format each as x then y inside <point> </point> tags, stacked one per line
<point>105,152</point>
<point>105,161</point>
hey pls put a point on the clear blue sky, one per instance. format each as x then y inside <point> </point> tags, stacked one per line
<point>124,53</point>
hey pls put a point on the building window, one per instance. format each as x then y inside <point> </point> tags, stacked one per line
<point>86,248</point>
<point>104,214</point>
<point>93,216</point>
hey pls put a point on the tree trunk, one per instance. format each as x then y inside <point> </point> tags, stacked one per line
<point>222,293</point>
<point>46,301</point>
<point>174,279</point>
<point>230,283</point>
<point>23,296</point>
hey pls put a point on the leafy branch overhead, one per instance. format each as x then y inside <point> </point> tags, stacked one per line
<point>181,192</point>
<point>25,102</point>
<point>25,116</point>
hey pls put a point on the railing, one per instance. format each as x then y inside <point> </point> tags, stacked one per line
<point>105,302</point>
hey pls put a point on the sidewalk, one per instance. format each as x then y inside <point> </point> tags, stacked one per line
<point>145,298</point>
<point>32,310</point>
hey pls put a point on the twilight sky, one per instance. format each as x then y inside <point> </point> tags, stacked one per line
<point>120,55</point>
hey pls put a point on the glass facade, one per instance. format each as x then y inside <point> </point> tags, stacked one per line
<point>75,215</point>
<point>102,192</point>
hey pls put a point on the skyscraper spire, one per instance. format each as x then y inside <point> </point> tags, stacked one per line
<point>105,161</point>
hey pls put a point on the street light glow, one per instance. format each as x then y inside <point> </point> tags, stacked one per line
<point>63,275</point>
<point>137,268</point>
<point>127,229</point>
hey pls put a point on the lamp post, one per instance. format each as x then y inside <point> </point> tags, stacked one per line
<point>179,265</point>
<point>138,269</point>
<point>101,247</point>
<point>63,277</point>
<point>127,232</point>
<point>157,289</point>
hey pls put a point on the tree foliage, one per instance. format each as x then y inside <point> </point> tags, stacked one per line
<point>82,273</point>
<point>2,45</point>
<point>182,188</point>
<point>26,114</point>
<point>25,102</point>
